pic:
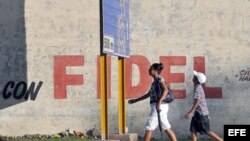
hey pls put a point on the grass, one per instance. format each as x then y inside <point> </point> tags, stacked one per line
<point>166,139</point>
<point>69,139</point>
<point>79,139</point>
<point>178,140</point>
<point>138,140</point>
<point>54,139</point>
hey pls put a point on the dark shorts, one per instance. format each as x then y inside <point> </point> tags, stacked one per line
<point>200,123</point>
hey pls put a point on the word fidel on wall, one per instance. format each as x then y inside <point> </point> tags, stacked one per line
<point>62,79</point>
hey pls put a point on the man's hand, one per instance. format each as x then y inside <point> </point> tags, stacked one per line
<point>188,115</point>
<point>132,101</point>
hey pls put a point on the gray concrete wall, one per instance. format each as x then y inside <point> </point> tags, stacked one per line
<point>33,32</point>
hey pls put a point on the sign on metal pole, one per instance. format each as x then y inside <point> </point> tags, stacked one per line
<point>116,37</point>
<point>115,40</point>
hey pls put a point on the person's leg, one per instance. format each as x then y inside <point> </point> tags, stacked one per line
<point>148,135</point>
<point>171,134</point>
<point>214,136</point>
<point>194,136</point>
<point>206,128</point>
<point>151,123</point>
<point>165,123</point>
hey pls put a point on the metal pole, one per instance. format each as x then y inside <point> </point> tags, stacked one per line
<point>104,96</point>
<point>121,95</point>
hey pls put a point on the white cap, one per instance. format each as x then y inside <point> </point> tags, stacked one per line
<point>201,77</point>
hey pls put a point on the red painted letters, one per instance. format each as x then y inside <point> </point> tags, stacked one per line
<point>169,61</point>
<point>211,92</point>
<point>144,79</point>
<point>61,79</point>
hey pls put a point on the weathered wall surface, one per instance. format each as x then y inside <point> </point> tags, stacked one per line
<point>39,38</point>
<point>52,28</point>
<point>219,31</point>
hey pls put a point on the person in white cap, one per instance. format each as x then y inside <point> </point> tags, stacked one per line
<point>200,120</point>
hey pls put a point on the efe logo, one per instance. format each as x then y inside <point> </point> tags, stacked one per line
<point>237,132</point>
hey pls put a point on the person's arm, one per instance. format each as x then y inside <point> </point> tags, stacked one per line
<point>164,94</point>
<point>196,104</point>
<point>139,99</point>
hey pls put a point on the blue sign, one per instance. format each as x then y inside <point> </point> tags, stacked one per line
<point>116,37</point>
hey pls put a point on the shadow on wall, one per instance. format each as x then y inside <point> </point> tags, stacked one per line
<point>13,64</point>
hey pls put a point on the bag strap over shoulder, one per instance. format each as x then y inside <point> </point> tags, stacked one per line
<point>159,82</point>
<point>170,97</point>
